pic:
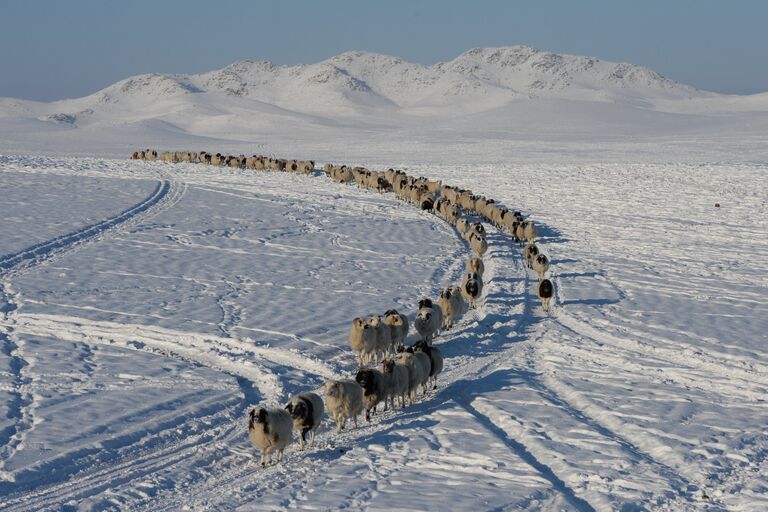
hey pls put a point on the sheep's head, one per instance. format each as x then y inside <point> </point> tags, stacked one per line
<point>445,294</point>
<point>425,303</point>
<point>374,321</point>
<point>333,388</point>
<point>257,417</point>
<point>359,323</point>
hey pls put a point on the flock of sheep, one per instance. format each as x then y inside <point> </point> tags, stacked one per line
<point>380,339</point>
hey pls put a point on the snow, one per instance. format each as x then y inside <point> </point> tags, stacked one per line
<point>145,307</point>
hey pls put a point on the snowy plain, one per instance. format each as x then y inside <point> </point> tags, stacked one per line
<point>147,306</point>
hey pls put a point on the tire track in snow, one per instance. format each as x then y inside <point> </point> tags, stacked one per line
<point>166,194</point>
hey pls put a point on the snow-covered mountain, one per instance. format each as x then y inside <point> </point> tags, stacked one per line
<point>506,94</point>
<point>361,82</point>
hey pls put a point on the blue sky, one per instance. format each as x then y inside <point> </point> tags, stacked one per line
<point>63,49</point>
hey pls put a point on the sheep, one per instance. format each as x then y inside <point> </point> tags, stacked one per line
<point>520,233</point>
<point>428,320</point>
<point>397,377</point>
<point>450,307</point>
<point>478,244</point>
<point>362,339</point>
<point>435,357</point>
<point>475,264</point>
<point>453,214</point>
<point>427,201</point>
<point>462,226</point>
<point>150,154</point>
<point>306,410</point>
<point>419,366</point>
<point>254,162</point>
<point>374,386</point>
<point>383,335</point>
<point>398,328</point>
<point>344,400</point>
<point>307,166</point>
<point>478,228</point>
<point>530,251</point>
<point>540,264</point>
<point>529,231</point>
<point>217,160</point>
<point>135,156</point>
<point>270,430</point>
<point>545,291</point>
<point>472,288</point>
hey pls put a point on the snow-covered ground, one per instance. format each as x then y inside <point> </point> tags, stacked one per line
<point>145,307</point>
<point>151,305</point>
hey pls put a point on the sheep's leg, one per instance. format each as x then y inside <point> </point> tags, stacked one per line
<point>263,452</point>
<point>367,416</point>
<point>355,418</point>
<point>280,456</point>
<point>311,438</point>
<point>303,438</point>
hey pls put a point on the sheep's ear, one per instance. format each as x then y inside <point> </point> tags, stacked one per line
<point>289,407</point>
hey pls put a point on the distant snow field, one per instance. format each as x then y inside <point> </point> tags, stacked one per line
<point>145,307</point>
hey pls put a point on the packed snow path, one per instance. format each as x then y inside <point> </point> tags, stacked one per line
<point>149,307</point>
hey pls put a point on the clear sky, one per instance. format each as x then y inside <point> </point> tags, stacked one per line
<point>53,49</point>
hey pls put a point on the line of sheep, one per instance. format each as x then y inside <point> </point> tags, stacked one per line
<point>255,162</point>
<point>381,338</point>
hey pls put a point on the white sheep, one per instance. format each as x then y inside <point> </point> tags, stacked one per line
<point>362,340</point>
<point>383,336</point>
<point>419,366</point>
<point>270,430</point>
<point>398,328</point>
<point>344,400</point>
<point>462,226</point>
<point>306,410</point>
<point>475,264</point>
<point>428,320</point>
<point>450,307</point>
<point>397,380</point>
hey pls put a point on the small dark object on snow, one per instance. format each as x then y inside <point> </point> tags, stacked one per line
<point>717,205</point>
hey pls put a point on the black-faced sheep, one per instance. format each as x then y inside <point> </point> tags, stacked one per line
<point>374,386</point>
<point>530,252</point>
<point>344,400</point>
<point>478,244</point>
<point>540,264</point>
<point>306,410</point>
<point>545,291</point>
<point>472,288</point>
<point>435,358</point>
<point>270,431</point>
